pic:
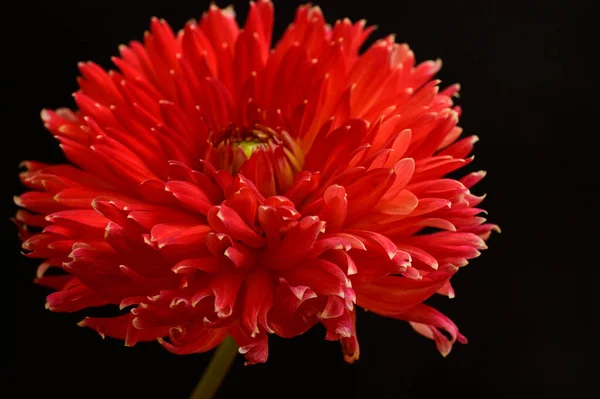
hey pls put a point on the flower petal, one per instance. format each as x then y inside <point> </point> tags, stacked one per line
<point>392,295</point>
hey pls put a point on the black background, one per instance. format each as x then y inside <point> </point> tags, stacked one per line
<point>522,304</point>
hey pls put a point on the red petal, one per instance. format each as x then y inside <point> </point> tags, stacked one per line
<point>173,234</point>
<point>336,207</point>
<point>392,295</point>
<point>198,339</point>
<point>324,277</point>
<point>225,288</point>
<point>225,220</point>
<point>256,349</point>
<point>295,245</point>
<point>209,265</point>
<point>285,318</point>
<point>190,195</point>
<point>426,321</point>
<point>344,329</point>
<point>258,300</point>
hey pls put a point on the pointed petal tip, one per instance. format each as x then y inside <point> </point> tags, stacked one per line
<point>17,200</point>
<point>350,359</point>
<point>45,115</point>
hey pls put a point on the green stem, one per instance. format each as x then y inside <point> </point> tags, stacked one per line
<point>216,370</point>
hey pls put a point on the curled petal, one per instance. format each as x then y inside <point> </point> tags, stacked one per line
<point>255,349</point>
<point>225,288</point>
<point>427,321</point>
<point>258,301</point>
<point>224,219</point>
<point>197,339</point>
<point>343,328</point>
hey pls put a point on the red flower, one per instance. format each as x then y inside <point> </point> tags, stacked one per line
<point>220,187</point>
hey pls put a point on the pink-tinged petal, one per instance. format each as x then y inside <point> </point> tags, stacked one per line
<point>258,300</point>
<point>426,321</point>
<point>392,295</point>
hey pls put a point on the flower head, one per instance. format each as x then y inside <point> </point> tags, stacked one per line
<point>220,187</point>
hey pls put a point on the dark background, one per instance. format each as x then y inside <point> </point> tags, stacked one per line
<point>523,304</point>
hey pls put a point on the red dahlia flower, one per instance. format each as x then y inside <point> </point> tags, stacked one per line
<point>220,187</point>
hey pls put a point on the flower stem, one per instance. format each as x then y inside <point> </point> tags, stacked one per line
<point>216,370</point>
